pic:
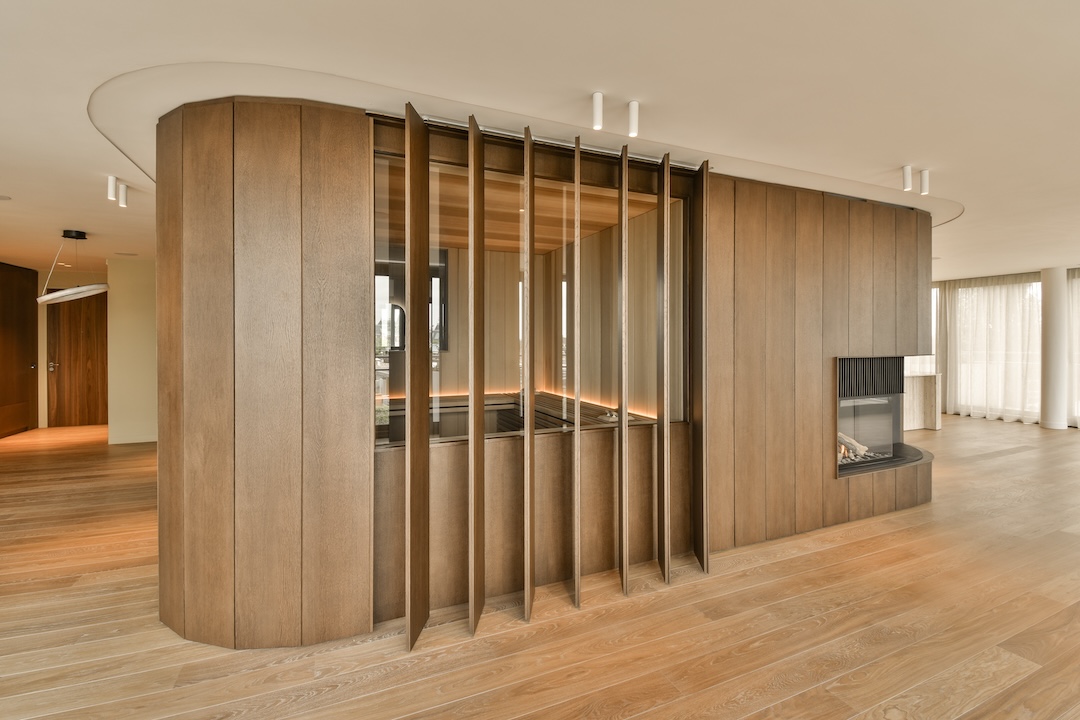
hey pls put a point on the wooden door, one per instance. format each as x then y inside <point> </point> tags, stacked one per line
<point>78,362</point>
<point>18,349</point>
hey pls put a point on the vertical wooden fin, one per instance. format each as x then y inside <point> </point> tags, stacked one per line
<point>663,372</point>
<point>624,369</point>
<point>699,495</point>
<point>417,378</point>
<point>577,373</point>
<point>528,379</point>
<point>476,374</point>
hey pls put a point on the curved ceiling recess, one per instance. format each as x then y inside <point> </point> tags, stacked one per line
<point>125,110</point>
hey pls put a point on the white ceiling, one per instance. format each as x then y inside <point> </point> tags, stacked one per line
<point>833,94</point>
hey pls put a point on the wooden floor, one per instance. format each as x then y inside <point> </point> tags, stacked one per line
<point>967,607</point>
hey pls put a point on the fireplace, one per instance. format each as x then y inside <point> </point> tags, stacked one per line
<point>870,415</point>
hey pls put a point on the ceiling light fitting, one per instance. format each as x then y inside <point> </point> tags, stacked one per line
<point>907,178</point>
<point>74,293</point>
<point>598,111</point>
<point>111,192</point>
<point>123,195</point>
<point>924,182</point>
<point>633,118</point>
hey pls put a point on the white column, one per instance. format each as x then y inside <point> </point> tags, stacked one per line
<point>1055,349</point>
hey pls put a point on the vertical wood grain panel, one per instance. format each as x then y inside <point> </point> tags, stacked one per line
<point>884,280</point>
<point>554,537</point>
<point>861,497</point>
<point>449,524</point>
<point>577,374</point>
<point>834,339</point>
<point>907,283</point>
<point>700,367</point>
<point>925,490</point>
<point>504,526</point>
<point>663,374</point>
<point>809,341</point>
<point>477,285</point>
<point>860,279</point>
<point>599,501</point>
<point>924,265</point>
<point>907,487</point>
<point>884,492</point>
<point>641,493</point>
<point>682,526</point>
<point>623,324</point>
<point>779,363</point>
<point>170,371</point>
<point>269,384</point>
<point>528,377</point>
<point>339,422</point>
<point>417,378</point>
<point>719,340</point>
<point>750,378</point>
<point>388,546</point>
<point>207,275</point>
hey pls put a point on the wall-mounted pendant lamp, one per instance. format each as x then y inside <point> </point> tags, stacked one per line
<point>633,118</point>
<point>123,195</point>
<point>74,293</point>
<point>597,111</point>
<point>907,178</point>
<point>924,182</point>
<point>111,194</point>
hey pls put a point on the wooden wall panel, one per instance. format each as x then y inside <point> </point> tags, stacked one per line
<point>809,341</point>
<point>834,344</point>
<point>19,349</point>
<point>885,309</point>
<point>750,385</point>
<point>719,341</point>
<point>170,370</point>
<point>925,493</point>
<point>682,526</point>
<point>623,325</point>
<point>575,351</point>
<point>78,343</point>
<point>449,526</point>
<point>861,497</point>
<point>476,288</point>
<point>207,273</point>
<point>907,283</point>
<point>924,265</point>
<point>528,370</point>
<point>599,501</point>
<point>504,527</point>
<point>417,378</point>
<point>388,544</point>
<point>907,487</point>
<point>779,363</point>
<point>860,279</point>
<point>641,482</point>
<point>269,386</point>
<point>884,491</point>
<point>554,507</point>
<point>338,426</point>
<point>663,375</point>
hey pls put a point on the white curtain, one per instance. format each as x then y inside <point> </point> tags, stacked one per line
<point>1073,408</point>
<point>989,346</point>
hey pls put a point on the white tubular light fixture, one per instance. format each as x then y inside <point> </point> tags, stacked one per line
<point>907,178</point>
<point>597,111</point>
<point>924,182</point>
<point>633,118</point>
<point>111,194</point>
<point>123,195</point>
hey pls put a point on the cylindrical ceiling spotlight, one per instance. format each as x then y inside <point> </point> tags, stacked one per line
<point>907,178</point>
<point>112,188</point>
<point>123,195</point>
<point>597,111</point>
<point>924,182</point>
<point>633,118</point>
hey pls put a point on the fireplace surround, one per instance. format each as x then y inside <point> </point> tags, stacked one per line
<point>870,416</point>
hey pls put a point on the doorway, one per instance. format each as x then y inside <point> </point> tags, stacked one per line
<point>77,366</point>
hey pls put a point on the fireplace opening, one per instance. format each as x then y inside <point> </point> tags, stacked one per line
<point>870,415</point>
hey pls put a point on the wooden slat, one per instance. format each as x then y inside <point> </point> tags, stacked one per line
<point>884,492</point>
<point>599,501</point>
<point>477,582</point>
<point>885,309</point>
<point>577,529</point>
<point>623,325</point>
<point>417,379</point>
<point>834,344</point>
<point>779,363</point>
<point>504,516</point>
<point>700,368</point>
<point>269,378</point>
<point>339,420</point>
<point>170,370</point>
<point>924,264</point>
<point>719,347</point>
<point>861,496</point>
<point>663,372</point>
<point>907,283</point>
<point>388,545</point>
<point>528,371</point>
<point>925,487</point>
<point>554,542</point>
<point>860,279</point>
<point>449,525</point>
<point>809,341</point>
<point>907,487</point>
<point>750,385</point>
<point>207,277</point>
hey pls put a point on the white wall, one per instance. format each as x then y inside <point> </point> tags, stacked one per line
<point>132,351</point>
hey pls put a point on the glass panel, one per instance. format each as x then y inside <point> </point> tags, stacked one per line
<point>644,286</point>
<point>599,306</point>
<point>389,300</point>
<point>679,281</point>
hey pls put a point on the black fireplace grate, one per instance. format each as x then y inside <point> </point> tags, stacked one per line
<point>867,377</point>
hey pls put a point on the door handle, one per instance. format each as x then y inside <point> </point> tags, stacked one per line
<point>53,366</point>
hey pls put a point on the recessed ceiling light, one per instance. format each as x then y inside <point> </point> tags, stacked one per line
<point>127,254</point>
